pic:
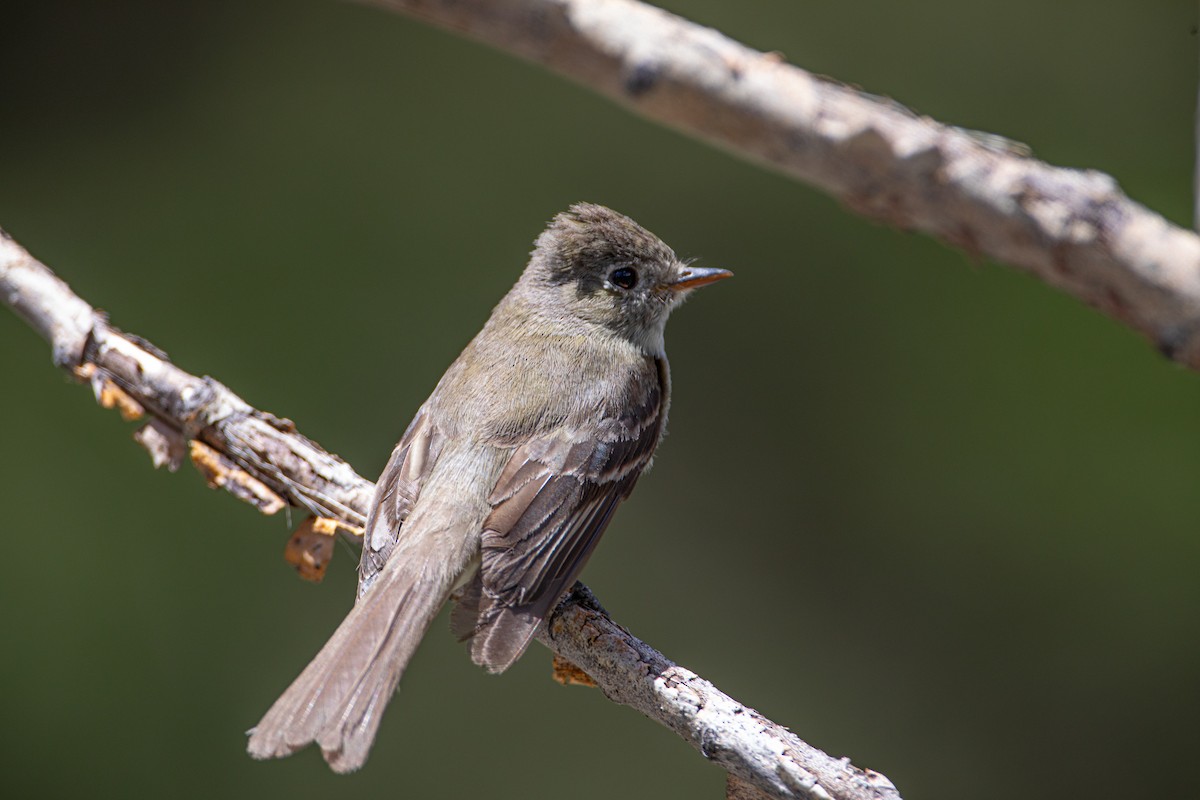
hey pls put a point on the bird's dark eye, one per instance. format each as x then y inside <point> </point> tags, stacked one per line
<point>623,278</point>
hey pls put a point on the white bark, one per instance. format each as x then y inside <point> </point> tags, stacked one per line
<point>1073,229</point>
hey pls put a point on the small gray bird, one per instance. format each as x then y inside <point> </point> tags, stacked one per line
<point>504,481</point>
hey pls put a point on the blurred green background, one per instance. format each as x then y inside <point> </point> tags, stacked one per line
<point>925,511</point>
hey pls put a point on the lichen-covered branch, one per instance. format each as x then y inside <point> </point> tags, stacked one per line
<point>1073,229</point>
<point>264,461</point>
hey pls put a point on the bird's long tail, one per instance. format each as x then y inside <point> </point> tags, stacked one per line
<point>339,699</point>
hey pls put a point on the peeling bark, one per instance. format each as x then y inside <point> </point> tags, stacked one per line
<point>1073,229</point>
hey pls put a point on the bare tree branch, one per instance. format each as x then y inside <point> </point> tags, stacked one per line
<point>1073,229</point>
<point>739,739</point>
<point>264,461</point>
<point>251,453</point>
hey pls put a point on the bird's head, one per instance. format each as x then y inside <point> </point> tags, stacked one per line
<point>603,267</point>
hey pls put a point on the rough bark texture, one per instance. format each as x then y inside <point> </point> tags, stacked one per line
<point>264,461</point>
<point>253,454</point>
<point>1073,229</point>
<point>738,739</point>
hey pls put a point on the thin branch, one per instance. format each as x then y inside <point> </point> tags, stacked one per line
<point>251,453</point>
<point>1073,229</point>
<point>733,736</point>
<point>263,460</point>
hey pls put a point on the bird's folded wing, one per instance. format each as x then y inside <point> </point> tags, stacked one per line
<point>396,493</point>
<point>550,506</point>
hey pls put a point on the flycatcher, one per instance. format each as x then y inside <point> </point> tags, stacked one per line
<point>504,481</point>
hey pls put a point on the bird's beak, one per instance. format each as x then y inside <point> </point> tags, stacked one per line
<point>691,277</point>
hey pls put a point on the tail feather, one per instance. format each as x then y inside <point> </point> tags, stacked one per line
<point>501,637</point>
<point>339,698</point>
<point>465,616</point>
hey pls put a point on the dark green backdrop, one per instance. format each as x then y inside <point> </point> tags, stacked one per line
<point>925,511</point>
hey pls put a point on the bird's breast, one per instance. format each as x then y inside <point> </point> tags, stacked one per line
<point>505,392</point>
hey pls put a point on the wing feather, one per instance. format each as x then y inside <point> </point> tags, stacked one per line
<point>553,501</point>
<point>399,486</point>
